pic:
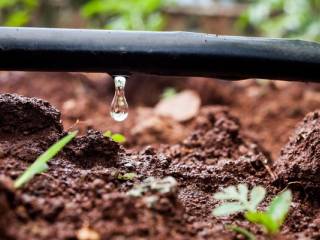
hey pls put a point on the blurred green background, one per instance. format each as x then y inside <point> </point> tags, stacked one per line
<point>272,18</point>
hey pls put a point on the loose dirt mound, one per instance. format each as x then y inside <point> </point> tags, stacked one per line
<point>32,124</point>
<point>298,168</point>
<point>299,163</point>
<point>25,116</point>
<point>93,149</point>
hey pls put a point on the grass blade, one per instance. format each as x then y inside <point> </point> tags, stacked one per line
<point>40,164</point>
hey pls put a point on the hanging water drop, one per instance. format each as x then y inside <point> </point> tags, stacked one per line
<point>119,105</point>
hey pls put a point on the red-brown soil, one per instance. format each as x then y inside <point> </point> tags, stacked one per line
<point>236,138</point>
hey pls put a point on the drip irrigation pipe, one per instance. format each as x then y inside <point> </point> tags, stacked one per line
<point>160,53</point>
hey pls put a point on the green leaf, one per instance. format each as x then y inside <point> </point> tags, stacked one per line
<point>229,193</point>
<point>257,195</point>
<point>263,219</point>
<point>6,3</point>
<point>244,232</point>
<point>168,92</point>
<point>40,164</point>
<point>107,134</point>
<point>227,209</point>
<point>18,18</point>
<point>119,138</point>
<point>239,195</point>
<point>127,176</point>
<point>279,207</point>
<point>243,192</point>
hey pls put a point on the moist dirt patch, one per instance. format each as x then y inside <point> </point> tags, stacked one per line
<point>84,195</point>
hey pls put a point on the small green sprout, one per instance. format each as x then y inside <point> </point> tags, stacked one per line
<point>117,137</point>
<point>244,232</point>
<point>238,199</point>
<point>127,176</point>
<point>40,164</point>
<point>168,92</point>
<point>164,185</point>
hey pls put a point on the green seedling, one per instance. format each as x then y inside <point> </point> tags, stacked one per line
<point>40,164</point>
<point>168,92</point>
<point>244,232</point>
<point>239,199</point>
<point>163,186</point>
<point>127,176</point>
<point>117,137</point>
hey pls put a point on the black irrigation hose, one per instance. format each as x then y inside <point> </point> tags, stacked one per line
<point>162,53</point>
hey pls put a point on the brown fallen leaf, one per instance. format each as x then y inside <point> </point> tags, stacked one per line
<point>181,107</point>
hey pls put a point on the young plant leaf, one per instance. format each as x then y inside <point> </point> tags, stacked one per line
<point>117,137</point>
<point>244,232</point>
<point>234,197</point>
<point>127,176</point>
<point>228,208</point>
<point>40,164</point>
<point>243,192</point>
<point>228,193</point>
<point>236,200</point>
<point>257,195</point>
<point>168,92</point>
<point>107,133</point>
<point>279,207</point>
<point>264,219</point>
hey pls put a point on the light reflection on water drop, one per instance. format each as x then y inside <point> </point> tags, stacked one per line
<point>119,105</point>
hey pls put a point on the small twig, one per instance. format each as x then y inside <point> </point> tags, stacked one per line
<point>73,125</point>
<point>271,173</point>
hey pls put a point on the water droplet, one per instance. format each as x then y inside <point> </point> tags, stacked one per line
<point>119,105</point>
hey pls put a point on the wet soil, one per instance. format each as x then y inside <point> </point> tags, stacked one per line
<point>235,138</point>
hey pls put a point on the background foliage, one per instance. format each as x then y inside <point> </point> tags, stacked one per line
<point>275,18</point>
<point>124,14</point>
<point>283,18</point>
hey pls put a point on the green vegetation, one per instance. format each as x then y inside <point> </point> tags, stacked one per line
<point>117,137</point>
<point>127,176</point>
<point>283,18</point>
<point>244,232</point>
<point>238,199</point>
<point>40,165</point>
<point>126,14</point>
<point>109,14</point>
<point>273,18</point>
<point>168,92</point>
<point>17,12</point>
